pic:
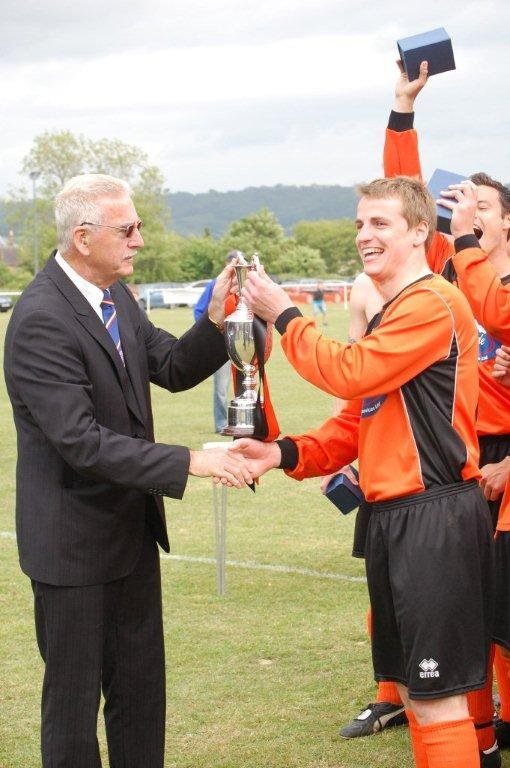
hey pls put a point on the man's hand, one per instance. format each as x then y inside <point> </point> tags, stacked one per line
<point>462,200</point>
<point>226,468</point>
<point>345,470</point>
<point>265,297</point>
<point>494,477</point>
<point>225,284</point>
<point>260,457</point>
<point>501,369</point>
<point>406,91</point>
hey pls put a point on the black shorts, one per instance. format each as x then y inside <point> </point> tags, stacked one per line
<point>502,601</point>
<point>430,571</point>
<point>493,449</point>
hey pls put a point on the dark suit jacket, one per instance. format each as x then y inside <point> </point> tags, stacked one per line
<point>88,471</point>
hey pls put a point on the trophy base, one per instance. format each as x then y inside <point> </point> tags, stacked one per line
<point>241,412</point>
<point>238,430</point>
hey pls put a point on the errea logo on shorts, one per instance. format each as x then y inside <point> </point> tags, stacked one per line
<point>428,668</point>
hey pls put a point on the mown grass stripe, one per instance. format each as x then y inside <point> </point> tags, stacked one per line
<point>249,565</point>
<point>274,567</point>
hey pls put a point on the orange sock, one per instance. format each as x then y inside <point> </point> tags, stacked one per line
<point>419,751</point>
<point>388,691</point>
<point>451,744</point>
<point>502,667</point>
<point>481,709</point>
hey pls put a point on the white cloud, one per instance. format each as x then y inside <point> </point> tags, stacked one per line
<point>227,93</point>
<point>311,67</point>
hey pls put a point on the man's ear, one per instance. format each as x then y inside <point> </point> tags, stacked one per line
<point>421,233</point>
<point>81,240</point>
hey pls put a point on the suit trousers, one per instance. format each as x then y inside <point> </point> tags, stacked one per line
<point>109,637</point>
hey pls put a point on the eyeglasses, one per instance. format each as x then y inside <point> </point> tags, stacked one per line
<point>128,229</point>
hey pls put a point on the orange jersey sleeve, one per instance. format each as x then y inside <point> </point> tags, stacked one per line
<point>488,296</point>
<point>331,446</point>
<point>400,155</point>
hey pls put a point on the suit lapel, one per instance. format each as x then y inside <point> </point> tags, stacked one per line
<point>88,318</point>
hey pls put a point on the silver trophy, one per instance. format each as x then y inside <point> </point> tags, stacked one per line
<point>240,341</point>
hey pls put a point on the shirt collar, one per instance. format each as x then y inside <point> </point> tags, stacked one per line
<point>91,292</point>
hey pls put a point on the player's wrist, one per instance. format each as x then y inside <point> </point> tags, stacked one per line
<point>403,104</point>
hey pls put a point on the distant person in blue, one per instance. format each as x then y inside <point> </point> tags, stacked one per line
<point>318,302</point>
<point>222,376</point>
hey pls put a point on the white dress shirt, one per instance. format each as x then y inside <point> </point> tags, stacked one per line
<point>91,292</point>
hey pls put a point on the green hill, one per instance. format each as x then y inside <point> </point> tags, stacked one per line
<point>215,211</point>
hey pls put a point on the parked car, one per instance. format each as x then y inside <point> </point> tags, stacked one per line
<point>183,295</point>
<point>5,303</point>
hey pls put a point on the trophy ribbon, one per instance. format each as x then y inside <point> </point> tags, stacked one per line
<point>266,427</point>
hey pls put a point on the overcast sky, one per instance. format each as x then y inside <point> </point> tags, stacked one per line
<point>224,94</point>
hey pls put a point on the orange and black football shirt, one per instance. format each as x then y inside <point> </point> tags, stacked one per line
<point>489,298</point>
<point>412,389</point>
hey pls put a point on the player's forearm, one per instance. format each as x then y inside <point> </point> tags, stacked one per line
<point>370,367</point>
<point>324,450</point>
<point>488,297</point>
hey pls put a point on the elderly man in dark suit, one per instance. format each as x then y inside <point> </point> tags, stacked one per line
<point>79,357</point>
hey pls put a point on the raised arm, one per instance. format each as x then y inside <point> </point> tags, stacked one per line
<point>401,155</point>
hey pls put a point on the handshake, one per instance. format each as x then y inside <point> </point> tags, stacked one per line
<point>238,464</point>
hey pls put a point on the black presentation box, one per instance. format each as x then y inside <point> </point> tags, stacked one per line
<point>435,47</point>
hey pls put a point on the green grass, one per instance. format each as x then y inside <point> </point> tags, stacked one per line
<point>263,676</point>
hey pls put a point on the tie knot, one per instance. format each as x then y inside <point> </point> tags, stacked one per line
<point>107,299</point>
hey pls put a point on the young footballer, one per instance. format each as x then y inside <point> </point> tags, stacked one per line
<point>412,388</point>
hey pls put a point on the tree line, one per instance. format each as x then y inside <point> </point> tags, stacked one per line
<point>323,248</point>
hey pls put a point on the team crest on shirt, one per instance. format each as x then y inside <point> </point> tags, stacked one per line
<point>487,345</point>
<point>371,405</point>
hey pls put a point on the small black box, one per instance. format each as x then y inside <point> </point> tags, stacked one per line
<point>440,180</point>
<point>435,47</point>
<point>343,493</point>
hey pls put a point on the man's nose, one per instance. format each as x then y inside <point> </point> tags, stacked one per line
<point>136,239</point>
<point>362,234</point>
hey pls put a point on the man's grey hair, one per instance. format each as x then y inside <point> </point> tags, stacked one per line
<point>78,201</point>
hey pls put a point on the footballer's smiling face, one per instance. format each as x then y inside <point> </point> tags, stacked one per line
<point>491,224</point>
<point>384,238</point>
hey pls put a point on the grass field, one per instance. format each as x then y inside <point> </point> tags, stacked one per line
<point>263,676</point>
